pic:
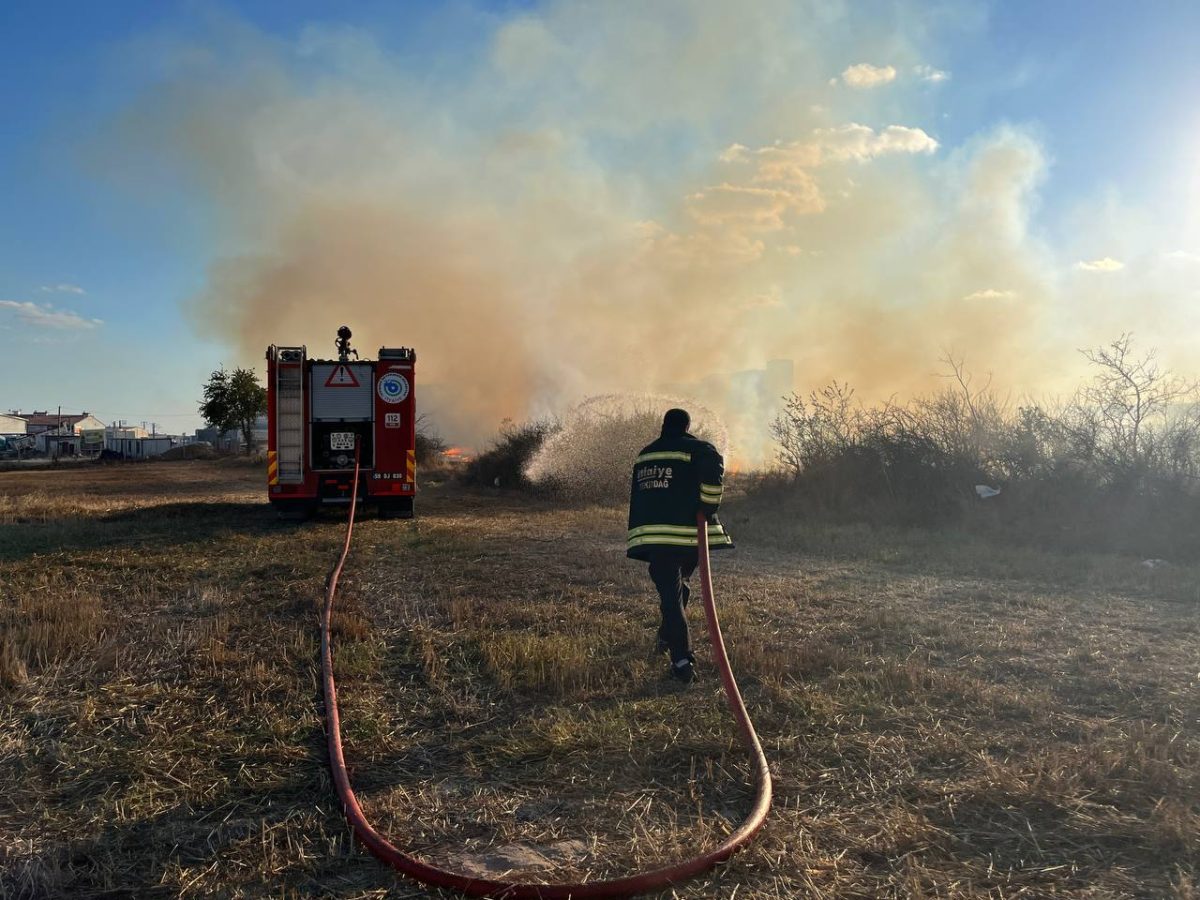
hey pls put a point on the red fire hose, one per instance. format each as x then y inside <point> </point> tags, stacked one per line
<point>656,879</point>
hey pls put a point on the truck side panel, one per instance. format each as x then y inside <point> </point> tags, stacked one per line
<point>395,430</point>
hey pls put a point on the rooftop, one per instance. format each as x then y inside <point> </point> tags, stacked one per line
<point>42,417</point>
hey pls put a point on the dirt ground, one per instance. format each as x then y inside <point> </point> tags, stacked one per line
<point>943,718</point>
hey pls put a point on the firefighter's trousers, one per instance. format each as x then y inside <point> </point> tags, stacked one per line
<point>670,568</point>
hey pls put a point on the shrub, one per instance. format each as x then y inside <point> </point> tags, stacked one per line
<point>1115,467</point>
<point>430,444</point>
<point>504,463</point>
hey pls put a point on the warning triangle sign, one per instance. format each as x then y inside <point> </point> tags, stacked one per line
<point>341,376</point>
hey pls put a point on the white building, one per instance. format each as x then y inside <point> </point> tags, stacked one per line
<point>64,434</point>
<point>139,447</point>
<point>13,424</point>
<point>62,423</point>
<point>125,431</point>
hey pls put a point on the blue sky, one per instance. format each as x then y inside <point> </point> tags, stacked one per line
<point>111,234</point>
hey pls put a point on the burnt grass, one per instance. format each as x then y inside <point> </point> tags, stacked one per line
<point>944,718</point>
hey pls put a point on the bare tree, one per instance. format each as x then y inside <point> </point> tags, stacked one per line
<point>818,428</point>
<point>965,422</point>
<point>430,443</point>
<point>958,371</point>
<point>1123,411</point>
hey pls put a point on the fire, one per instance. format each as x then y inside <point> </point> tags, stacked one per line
<point>455,455</point>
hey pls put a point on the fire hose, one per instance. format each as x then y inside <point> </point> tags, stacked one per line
<point>655,879</point>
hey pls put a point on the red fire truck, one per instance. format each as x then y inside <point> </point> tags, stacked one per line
<point>321,411</point>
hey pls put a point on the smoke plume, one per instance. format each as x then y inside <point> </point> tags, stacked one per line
<point>606,198</point>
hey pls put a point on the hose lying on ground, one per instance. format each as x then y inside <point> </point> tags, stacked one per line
<point>655,879</point>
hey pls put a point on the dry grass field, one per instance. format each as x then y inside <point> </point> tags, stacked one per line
<point>944,718</point>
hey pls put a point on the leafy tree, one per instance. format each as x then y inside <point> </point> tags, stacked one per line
<point>233,400</point>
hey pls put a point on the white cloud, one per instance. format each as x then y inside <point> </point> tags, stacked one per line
<point>782,183</point>
<point>61,289</point>
<point>865,75</point>
<point>786,163</point>
<point>1182,256</point>
<point>860,143</point>
<point>789,163</point>
<point>930,74</point>
<point>1107,264</point>
<point>48,317</point>
<point>990,294</point>
<point>734,153</point>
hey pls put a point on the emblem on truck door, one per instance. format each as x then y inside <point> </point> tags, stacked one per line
<point>392,388</point>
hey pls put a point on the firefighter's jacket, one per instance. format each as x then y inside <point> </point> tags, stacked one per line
<point>673,479</point>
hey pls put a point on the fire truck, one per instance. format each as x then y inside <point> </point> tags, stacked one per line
<point>322,413</point>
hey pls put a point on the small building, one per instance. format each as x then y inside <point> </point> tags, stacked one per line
<point>64,434</point>
<point>121,430</point>
<point>139,447</point>
<point>56,445</point>
<point>13,424</point>
<point>40,421</point>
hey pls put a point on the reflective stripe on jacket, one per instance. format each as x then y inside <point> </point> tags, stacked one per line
<point>674,478</point>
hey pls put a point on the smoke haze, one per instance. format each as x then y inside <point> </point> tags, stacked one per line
<point>605,198</point>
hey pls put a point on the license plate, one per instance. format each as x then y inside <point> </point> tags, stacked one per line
<point>341,440</point>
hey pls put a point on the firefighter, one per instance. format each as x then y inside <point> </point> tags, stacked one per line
<point>674,478</point>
